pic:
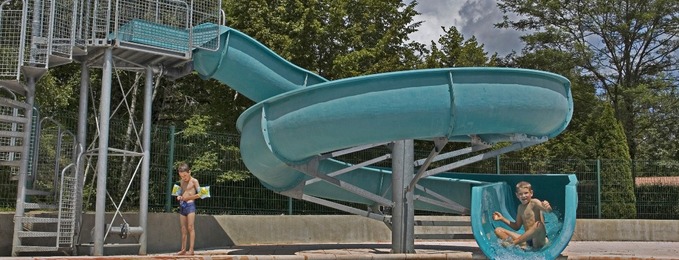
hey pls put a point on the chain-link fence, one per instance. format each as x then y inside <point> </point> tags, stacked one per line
<point>216,163</point>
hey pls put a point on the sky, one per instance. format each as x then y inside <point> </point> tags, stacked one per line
<point>471,18</point>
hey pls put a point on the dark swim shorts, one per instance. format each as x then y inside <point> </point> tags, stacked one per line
<point>186,208</point>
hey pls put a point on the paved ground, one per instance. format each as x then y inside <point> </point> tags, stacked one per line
<point>578,250</point>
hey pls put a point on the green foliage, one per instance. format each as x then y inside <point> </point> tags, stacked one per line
<point>622,46</point>
<point>454,51</point>
<point>569,144</point>
<point>207,155</point>
<point>659,115</point>
<point>606,140</point>
<point>56,90</point>
<point>197,125</point>
<point>335,38</point>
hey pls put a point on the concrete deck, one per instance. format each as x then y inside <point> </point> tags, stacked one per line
<point>576,250</point>
<point>355,237</point>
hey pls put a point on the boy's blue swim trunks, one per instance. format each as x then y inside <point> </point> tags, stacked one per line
<point>186,208</point>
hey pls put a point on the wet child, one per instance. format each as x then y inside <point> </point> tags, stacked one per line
<point>529,215</point>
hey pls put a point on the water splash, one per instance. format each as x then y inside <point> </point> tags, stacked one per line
<point>553,224</point>
<point>514,252</point>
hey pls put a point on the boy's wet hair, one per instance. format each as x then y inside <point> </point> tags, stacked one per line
<point>183,167</point>
<point>524,184</point>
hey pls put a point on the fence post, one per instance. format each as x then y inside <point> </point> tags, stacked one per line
<point>289,206</point>
<point>598,186</point>
<point>497,164</point>
<point>170,163</point>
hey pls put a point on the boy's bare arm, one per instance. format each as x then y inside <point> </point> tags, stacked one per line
<point>542,205</point>
<point>514,225</point>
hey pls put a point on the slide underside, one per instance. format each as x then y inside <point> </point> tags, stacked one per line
<point>300,115</point>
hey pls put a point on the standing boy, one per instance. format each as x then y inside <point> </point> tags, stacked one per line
<point>187,207</point>
<point>529,214</point>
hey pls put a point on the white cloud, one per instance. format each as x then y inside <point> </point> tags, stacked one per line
<point>471,18</point>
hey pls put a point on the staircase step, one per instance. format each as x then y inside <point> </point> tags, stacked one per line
<point>31,205</point>
<point>110,245</point>
<point>14,85</point>
<point>13,103</point>
<point>15,163</point>
<point>440,223</point>
<point>11,149</point>
<point>13,119</point>
<point>36,248</point>
<point>58,60</point>
<point>443,227</point>
<point>40,220</point>
<point>38,192</point>
<point>444,236</point>
<point>15,134</point>
<point>36,234</point>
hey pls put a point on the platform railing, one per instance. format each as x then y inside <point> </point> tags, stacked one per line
<point>165,24</point>
<point>12,37</point>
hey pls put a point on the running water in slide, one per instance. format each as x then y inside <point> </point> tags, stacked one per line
<point>300,115</point>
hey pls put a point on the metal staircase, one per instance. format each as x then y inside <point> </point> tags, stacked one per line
<point>48,222</point>
<point>34,36</point>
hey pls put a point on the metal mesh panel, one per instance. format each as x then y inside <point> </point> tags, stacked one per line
<point>55,152</point>
<point>64,19</point>
<point>37,32</point>
<point>160,24</point>
<point>82,11</point>
<point>67,205</point>
<point>167,24</point>
<point>204,20</point>
<point>11,21</point>
<point>97,25</point>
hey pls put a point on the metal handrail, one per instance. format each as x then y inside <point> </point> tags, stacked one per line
<point>60,208</point>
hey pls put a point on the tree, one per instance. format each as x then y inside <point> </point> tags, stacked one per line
<point>623,45</point>
<point>569,145</point>
<point>607,138</point>
<point>455,51</point>
<point>335,38</point>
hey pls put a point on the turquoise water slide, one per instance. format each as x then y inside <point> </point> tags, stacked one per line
<point>300,115</point>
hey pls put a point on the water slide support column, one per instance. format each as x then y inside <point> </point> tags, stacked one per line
<point>102,160</point>
<point>403,212</point>
<point>146,164</point>
<point>82,140</point>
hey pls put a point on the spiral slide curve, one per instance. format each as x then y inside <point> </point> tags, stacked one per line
<point>300,115</point>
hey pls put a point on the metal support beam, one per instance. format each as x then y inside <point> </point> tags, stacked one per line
<point>351,168</point>
<point>146,163</point>
<point>102,160</point>
<point>483,156</point>
<point>439,143</point>
<point>440,200</point>
<point>350,150</point>
<point>311,168</point>
<point>344,208</point>
<point>403,213</point>
<point>81,136</point>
